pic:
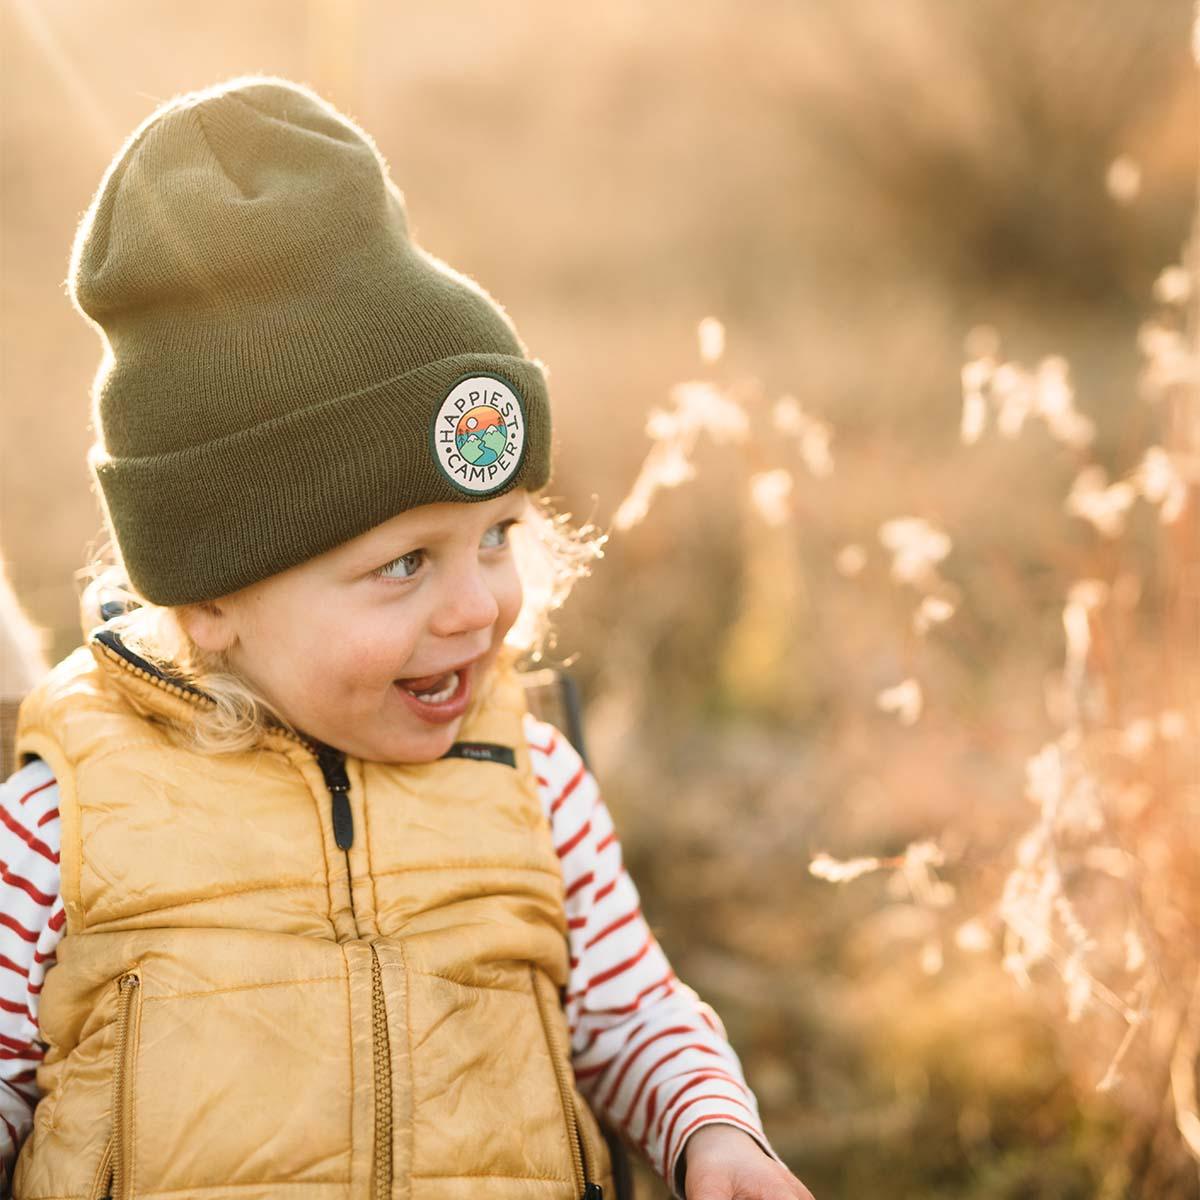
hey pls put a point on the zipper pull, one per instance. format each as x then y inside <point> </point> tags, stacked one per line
<point>333,767</point>
<point>591,1191</point>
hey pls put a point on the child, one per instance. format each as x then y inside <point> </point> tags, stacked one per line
<point>296,891</point>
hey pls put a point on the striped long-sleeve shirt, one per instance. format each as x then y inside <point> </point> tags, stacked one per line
<point>649,1055</point>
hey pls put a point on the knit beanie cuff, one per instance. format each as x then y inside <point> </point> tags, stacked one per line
<point>353,462</point>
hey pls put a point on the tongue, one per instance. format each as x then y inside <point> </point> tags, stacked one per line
<point>425,683</point>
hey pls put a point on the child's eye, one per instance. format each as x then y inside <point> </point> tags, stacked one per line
<point>384,572</point>
<point>503,526</point>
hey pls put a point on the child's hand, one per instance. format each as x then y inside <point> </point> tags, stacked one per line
<point>723,1163</point>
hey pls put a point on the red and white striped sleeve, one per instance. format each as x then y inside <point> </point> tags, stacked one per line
<point>651,1057</point>
<point>31,924</point>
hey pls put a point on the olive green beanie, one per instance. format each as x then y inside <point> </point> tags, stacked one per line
<point>284,367</point>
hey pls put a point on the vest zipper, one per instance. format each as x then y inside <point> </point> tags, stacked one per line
<point>590,1190</point>
<point>333,767</point>
<point>116,650</point>
<point>383,1084</point>
<point>115,1165</point>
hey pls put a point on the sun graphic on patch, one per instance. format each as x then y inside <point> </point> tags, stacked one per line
<point>479,433</point>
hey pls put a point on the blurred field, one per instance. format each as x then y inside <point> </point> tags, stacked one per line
<point>850,190</point>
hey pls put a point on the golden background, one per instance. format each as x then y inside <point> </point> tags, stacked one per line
<point>864,197</point>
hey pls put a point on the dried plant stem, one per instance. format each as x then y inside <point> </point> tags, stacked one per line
<point>1183,1075</point>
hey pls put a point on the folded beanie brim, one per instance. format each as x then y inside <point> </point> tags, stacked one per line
<point>362,448</point>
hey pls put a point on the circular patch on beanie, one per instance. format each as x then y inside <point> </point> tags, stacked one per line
<point>479,433</point>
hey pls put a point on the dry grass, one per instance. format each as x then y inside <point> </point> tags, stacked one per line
<point>873,597</point>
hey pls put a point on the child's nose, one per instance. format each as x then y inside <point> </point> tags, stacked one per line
<point>467,602</point>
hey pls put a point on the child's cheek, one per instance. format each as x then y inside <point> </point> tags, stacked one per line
<point>374,657</point>
<point>509,597</point>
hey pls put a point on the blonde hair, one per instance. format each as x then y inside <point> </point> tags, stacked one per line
<point>552,554</point>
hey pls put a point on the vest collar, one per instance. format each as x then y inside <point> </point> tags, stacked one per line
<point>161,688</point>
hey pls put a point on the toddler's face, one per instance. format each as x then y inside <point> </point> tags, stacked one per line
<point>326,641</point>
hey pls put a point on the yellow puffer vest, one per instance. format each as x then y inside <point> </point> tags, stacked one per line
<point>290,973</point>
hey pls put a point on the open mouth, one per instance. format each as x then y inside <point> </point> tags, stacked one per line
<point>437,698</point>
<point>433,690</point>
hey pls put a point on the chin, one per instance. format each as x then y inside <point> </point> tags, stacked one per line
<point>404,757</point>
<point>418,749</point>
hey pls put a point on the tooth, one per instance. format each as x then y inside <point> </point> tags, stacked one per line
<point>444,694</point>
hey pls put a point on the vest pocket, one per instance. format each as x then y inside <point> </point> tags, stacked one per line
<point>114,1175</point>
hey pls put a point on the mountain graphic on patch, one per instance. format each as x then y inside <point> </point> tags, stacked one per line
<point>481,435</point>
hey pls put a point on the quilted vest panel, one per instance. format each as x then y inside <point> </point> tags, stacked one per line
<point>242,1007</point>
